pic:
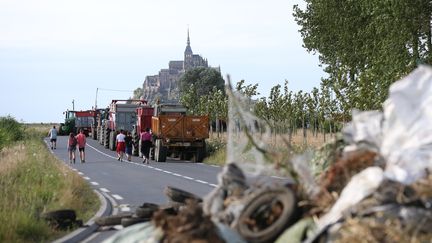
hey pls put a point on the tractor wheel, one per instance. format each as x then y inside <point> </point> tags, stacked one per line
<point>93,132</point>
<point>112,142</point>
<point>160,151</point>
<point>135,143</point>
<point>100,135</point>
<point>106,137</point>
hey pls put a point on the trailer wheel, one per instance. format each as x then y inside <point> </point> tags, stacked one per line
<point>160,151</point>
<point>266,214</point>
<point>200,153</point>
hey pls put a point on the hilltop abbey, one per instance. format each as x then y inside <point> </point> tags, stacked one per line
<point>165,84</point>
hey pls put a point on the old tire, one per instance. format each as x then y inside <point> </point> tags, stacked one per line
<point>160,151</point>
<point>106,137</point>
<point>146,210</point>
<point>64,214</point>
<point>179,195</point>
<point>262,204</point>
<point>112,219</point>
<point>125,222</point>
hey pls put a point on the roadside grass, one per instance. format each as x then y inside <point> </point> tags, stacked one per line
<point>33,181</point>
<point>216,145</point>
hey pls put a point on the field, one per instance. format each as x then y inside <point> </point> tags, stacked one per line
<point>217,153</point>
<point>33,181</point>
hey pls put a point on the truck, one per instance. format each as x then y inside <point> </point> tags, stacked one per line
<point>177,133</point>
<point>121,116</point>
<point>85,120</point>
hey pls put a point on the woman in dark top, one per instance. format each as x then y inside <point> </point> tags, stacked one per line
<point>129,143</point>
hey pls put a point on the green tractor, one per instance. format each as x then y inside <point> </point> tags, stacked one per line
<point>69,124</point>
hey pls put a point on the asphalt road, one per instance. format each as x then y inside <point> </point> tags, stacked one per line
<point>130,184</point>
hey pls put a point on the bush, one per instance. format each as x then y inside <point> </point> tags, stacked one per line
<point>10,131</point>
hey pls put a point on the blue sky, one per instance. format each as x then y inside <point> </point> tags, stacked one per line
<point>56,51</point>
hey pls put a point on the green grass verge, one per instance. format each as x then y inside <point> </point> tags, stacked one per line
<point>33,181</point>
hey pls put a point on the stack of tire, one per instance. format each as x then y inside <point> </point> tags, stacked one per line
<point>143,213</point>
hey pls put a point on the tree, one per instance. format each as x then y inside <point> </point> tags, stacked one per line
<point>137,93</point>
<point>366,45</point>
<point>204,79</point>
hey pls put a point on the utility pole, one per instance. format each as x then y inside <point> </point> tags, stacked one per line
<point>96,98</point>
<point>73,104</point>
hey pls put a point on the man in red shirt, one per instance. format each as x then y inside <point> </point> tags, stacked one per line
<point>81,139</point>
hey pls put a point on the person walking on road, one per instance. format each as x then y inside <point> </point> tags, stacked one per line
<point>72,144</point>
<point>128,143</point>
<point>121,145</point>
<point>146,143</point>
<point>81,138</point>
<point>53,137</point>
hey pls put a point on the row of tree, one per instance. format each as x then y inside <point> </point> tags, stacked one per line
<point>363,46</point>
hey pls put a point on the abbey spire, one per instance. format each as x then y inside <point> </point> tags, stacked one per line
<point>188,51</point>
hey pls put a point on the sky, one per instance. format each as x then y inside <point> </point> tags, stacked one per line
<point>57,55</point>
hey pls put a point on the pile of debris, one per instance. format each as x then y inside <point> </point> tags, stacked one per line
<point>376,187</point>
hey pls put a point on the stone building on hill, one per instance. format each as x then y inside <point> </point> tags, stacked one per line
<point>164,85</point>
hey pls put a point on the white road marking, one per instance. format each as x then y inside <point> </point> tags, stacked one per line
<point>155,168</point>
<point>203,182</point>
<point>74,169</point>
<point>118,227</point>
<point>101,152</point>
<point>87,178</point>
<point>118,197</point>
<point>94,183</point>
<point>80,173</point>
<point>124,208</point>
<point>104,190</point>
<point>278,177</point>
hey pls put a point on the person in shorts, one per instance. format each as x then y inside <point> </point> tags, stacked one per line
<point>81,139</point>
<point>72,144</point>
<point>121,145</point>
<point>53,137</point>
